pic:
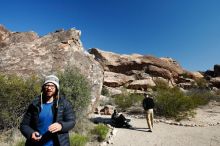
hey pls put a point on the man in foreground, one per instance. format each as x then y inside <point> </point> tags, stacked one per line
<point>48,118</point>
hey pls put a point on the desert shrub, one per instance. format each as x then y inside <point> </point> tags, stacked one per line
<point>107,101</point>
<point>160,84</point>
<point>76,88</point>
<point>123,101</point>
<point>83,125</point>
<point>100,131</point>
<point>186,75</point>
<point>217,95</point>
<point>200,97</point>
<point>172,103</point>
<point>201,83</point>
<point>15,95</point>
<point>20,143</point>
<point>78,140</point>
<point>105,91</point>
<point>126,100</point>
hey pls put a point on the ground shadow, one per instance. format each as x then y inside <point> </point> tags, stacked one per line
<point>140,129</point>
<point>109,121</point>
<point>103,120</point>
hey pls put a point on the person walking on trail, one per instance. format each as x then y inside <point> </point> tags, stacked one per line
<point>148,105</point>
<point>48,118</point>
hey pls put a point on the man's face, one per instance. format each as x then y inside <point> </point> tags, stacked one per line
<point>49,89</point>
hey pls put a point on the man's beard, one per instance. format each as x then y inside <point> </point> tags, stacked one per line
<point>49,94</point>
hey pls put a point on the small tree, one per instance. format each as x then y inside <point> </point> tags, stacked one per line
<point>16,94</point>
<point>76,88</point>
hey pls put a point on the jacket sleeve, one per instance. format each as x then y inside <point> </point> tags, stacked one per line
<point>144,104</point>
<point>68,121</point>
<point>25,127</point>
<point>153,104</point>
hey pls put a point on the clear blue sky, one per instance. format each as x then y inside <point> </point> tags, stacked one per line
<point>185,30</point>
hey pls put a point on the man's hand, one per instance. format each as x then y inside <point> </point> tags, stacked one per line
<point>55,127</point>
<point>35,136</point>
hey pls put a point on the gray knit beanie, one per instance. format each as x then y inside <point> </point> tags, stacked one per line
<point>52,79</point>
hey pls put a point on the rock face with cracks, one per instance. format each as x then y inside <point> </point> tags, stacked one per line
<point>25,54</point>
<point>136,71</point>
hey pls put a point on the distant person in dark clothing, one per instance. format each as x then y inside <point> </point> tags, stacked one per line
<point>148,105</point>
<point>119,120</point>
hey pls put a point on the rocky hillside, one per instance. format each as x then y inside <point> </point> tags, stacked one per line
<point>138,72</point>
<point>213,76</point>
<point>25,53</point>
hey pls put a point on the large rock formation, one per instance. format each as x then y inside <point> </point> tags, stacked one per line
<point>139,72</point>
<point>25,53</point>
<point>213,76</point>
<point>136,71</point>
<point>217,70</point>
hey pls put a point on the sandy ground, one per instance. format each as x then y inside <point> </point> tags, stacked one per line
<point>173,135</point>
<point>166,135</point>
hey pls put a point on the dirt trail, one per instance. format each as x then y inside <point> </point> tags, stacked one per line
<point>173,135</point>
<point>166,135</point>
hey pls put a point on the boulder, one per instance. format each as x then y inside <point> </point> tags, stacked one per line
<point>107,110</point>
<point>197,75</point>
<point>125,63</point>
<point>217,70</point>
<point>114,90</point>
<point>133,70</point>
<point>215,82</point>
<point>141,84</point>
<point>112,79</point>
<point>25,54</point>
<point>209,73</point>
<point>186,85</point>
<point>159,72</point>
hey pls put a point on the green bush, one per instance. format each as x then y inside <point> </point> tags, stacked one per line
<point>201,83</point>
<point>126,100</point>
<point>160,84</point>
<point>137,98</point>
<point>105,91</point>
<point>217,95</point>
<point>15,95</point>
<point>171,102</point>
<point>123,101</point>
<point>78,140</point>
<point>20,143</point>
<point>100,131</point>
<point>200,97</point>
<point>76,88</point>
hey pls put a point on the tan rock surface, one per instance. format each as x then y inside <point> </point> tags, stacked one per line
<point>25,54</point>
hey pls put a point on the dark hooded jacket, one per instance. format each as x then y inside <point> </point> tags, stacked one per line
<point>63,113</point>
<point>148,103</point>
